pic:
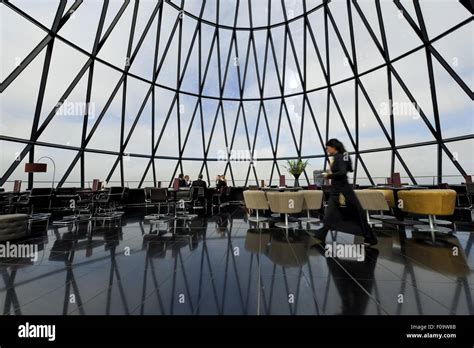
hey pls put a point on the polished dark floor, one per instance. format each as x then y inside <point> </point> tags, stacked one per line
<point>224,265</point>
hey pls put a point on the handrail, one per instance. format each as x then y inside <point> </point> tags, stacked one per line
<point>129,183</point>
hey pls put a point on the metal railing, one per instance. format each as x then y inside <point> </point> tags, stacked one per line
<point>421,179</point>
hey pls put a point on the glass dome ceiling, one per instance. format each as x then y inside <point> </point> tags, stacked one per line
<point>135,92</point>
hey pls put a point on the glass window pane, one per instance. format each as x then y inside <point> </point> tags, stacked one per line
<point>42,11</point>
<point>378,165</point>
<point>18,110</point>
<point>98,166</point>
<point>436,18</point>
<point>81,28</point>
<point>20,36</point>
<point>422,163</point>
<point>10,153</point>
<point>114,50</point>
<point>462,151</point>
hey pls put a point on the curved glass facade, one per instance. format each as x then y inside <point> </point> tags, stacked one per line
<point>136,92</point>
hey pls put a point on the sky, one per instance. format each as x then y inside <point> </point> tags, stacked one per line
<point>18,102</point>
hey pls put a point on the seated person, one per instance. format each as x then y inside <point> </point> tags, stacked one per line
<point>199,182</point>
<point>186,179</point>
<point>182,182</point>
<point>222,182</point>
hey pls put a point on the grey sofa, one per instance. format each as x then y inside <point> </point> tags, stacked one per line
<point>13,226</point>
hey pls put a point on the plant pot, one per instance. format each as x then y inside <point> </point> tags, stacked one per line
<point>296,184</point>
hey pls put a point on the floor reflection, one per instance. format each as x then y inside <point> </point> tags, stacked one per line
<point>224,265</point>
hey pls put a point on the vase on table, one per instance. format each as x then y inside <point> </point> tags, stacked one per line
<point>296,184</point>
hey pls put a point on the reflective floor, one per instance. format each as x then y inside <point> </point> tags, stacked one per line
<point>225,265</point>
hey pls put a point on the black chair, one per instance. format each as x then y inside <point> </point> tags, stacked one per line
<point>216,199</point>
<point>38,199</point>
<point>469,194</point>
<point>4,201</point>
<point>198,199</point>
<point>125,194</point>
<point>184,200</point>
<point>107,205</point>
<point>220,197</point>
<point>136,198</point>
<point>65,199</point>
<point>226,195</point>
<point>158,197</point>
<point>470,191</point>
<point>110,201</point>
<point>84,203</point>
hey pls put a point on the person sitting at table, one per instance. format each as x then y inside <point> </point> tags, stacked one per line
<point>186,179</point>
<point>218,178</point>
<point>222,182</point>
<point>199,182</point>
<point>182,182</point>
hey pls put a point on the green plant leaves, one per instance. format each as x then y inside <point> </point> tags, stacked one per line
<point>296,167</point>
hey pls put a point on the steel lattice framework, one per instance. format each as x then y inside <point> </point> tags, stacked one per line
<point>238,60</point>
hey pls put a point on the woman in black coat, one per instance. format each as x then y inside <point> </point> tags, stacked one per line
<point>340,166</point>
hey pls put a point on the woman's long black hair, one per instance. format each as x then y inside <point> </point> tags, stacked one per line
<point>342,150</point>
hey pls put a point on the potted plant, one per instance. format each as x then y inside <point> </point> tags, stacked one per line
<point>295,168</point>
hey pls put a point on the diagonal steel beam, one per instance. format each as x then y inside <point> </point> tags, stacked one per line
<point>434,98</point>
<point>89,87</point>
<point>39,47</point>
<point>42,86</point>
<point>423,35</point>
